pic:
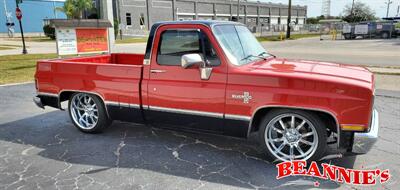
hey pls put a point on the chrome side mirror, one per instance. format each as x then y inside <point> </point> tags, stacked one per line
<point>189,60</point>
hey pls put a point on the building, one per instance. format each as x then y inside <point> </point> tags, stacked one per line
<point>33,13</point>
<point>137,16</point>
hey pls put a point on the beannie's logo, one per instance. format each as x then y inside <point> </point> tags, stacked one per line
<point>333,173</point>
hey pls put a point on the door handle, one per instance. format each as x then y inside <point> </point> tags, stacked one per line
<point>157,71</point>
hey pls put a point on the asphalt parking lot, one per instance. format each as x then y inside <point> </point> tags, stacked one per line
<point>40,149</point>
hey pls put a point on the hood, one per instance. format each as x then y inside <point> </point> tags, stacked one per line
<point>314,68</point>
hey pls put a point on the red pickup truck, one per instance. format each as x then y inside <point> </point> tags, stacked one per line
<point>212,76</point>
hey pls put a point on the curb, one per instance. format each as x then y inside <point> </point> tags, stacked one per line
<point>15,84</point>
<point>385,70</point>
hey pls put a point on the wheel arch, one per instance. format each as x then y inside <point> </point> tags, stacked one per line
<point>66,95</point>
<point>328,117</point>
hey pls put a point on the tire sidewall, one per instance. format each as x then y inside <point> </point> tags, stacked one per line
<point>315,120</point>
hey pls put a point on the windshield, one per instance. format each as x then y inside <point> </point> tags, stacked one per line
<point>239,44</point>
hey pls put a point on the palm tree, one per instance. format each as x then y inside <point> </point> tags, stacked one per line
<point>74,8</point>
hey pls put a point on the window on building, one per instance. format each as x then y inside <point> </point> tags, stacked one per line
<point>279,20</point>
<point>128,19</point>
<point>141,19</point>
<point>176,43</point>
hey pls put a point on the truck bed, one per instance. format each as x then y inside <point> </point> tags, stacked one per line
<point>113,77</point>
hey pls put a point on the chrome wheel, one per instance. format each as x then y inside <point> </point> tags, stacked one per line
<point>291,137</point>
<point>84,111</point>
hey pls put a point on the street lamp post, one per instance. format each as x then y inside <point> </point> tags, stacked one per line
<point>289,20</point>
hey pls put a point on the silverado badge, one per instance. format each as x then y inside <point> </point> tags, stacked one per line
<point>245,96</point>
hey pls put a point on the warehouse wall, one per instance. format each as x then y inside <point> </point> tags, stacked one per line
<point>252,14</point>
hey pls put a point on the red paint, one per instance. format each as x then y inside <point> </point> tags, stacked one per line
<point>345,91</point>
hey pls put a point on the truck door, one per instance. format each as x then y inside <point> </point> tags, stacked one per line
<point>178,97</point>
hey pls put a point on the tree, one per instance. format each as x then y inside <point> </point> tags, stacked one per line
<point>74,8</point>
<point>360,12</point>
<point>312,20</point>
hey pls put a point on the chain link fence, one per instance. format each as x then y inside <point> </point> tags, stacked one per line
<point>325,31</point>
<point>331,31</point>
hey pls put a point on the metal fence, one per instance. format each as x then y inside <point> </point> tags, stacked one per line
<point>326,31</point>
<point>278,29</point>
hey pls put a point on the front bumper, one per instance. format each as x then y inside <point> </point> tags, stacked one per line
<point>363,142</point>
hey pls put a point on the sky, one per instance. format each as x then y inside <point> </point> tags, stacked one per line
<point>314,6</point>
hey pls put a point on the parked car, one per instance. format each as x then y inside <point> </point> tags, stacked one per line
<point>215,77</point>
<point>383,30</point>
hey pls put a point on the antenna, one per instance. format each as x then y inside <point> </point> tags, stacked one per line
<point>326,8</point>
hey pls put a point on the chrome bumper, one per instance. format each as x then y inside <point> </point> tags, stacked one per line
<point>363,142</point>
<point>38,102</point>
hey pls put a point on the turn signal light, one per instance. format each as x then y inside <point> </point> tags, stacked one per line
<point>353,127</point>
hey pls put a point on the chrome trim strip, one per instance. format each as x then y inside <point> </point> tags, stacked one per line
<point>122,104</point>
<point>110,103</point>
<point>237,117</point>
<point>188,112</point>
<point>294,107</point>
<point>47,94</point>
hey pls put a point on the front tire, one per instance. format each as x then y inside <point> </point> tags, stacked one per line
<point>88,113</point>
<point>287,135</point>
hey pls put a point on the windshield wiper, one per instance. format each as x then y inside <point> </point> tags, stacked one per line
<point>251,55</point>
<point>265,53</point>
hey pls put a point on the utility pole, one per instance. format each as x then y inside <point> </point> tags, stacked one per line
<point>352,8</point>
<point>388,7</point>
<point>398,10</point>
<point>289,20</point>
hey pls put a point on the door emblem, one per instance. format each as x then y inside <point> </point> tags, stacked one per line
<point>245,96</point>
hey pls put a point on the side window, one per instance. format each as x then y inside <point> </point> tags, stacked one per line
<point>128,19</point>
<point>176,43</point>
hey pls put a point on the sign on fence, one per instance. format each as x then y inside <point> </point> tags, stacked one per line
<point>346,29</point>
<point>361,29</point>
<point>66,41</point>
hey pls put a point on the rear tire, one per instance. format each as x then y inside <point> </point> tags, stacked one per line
<point>88,113</point>
<point>287,135</point>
